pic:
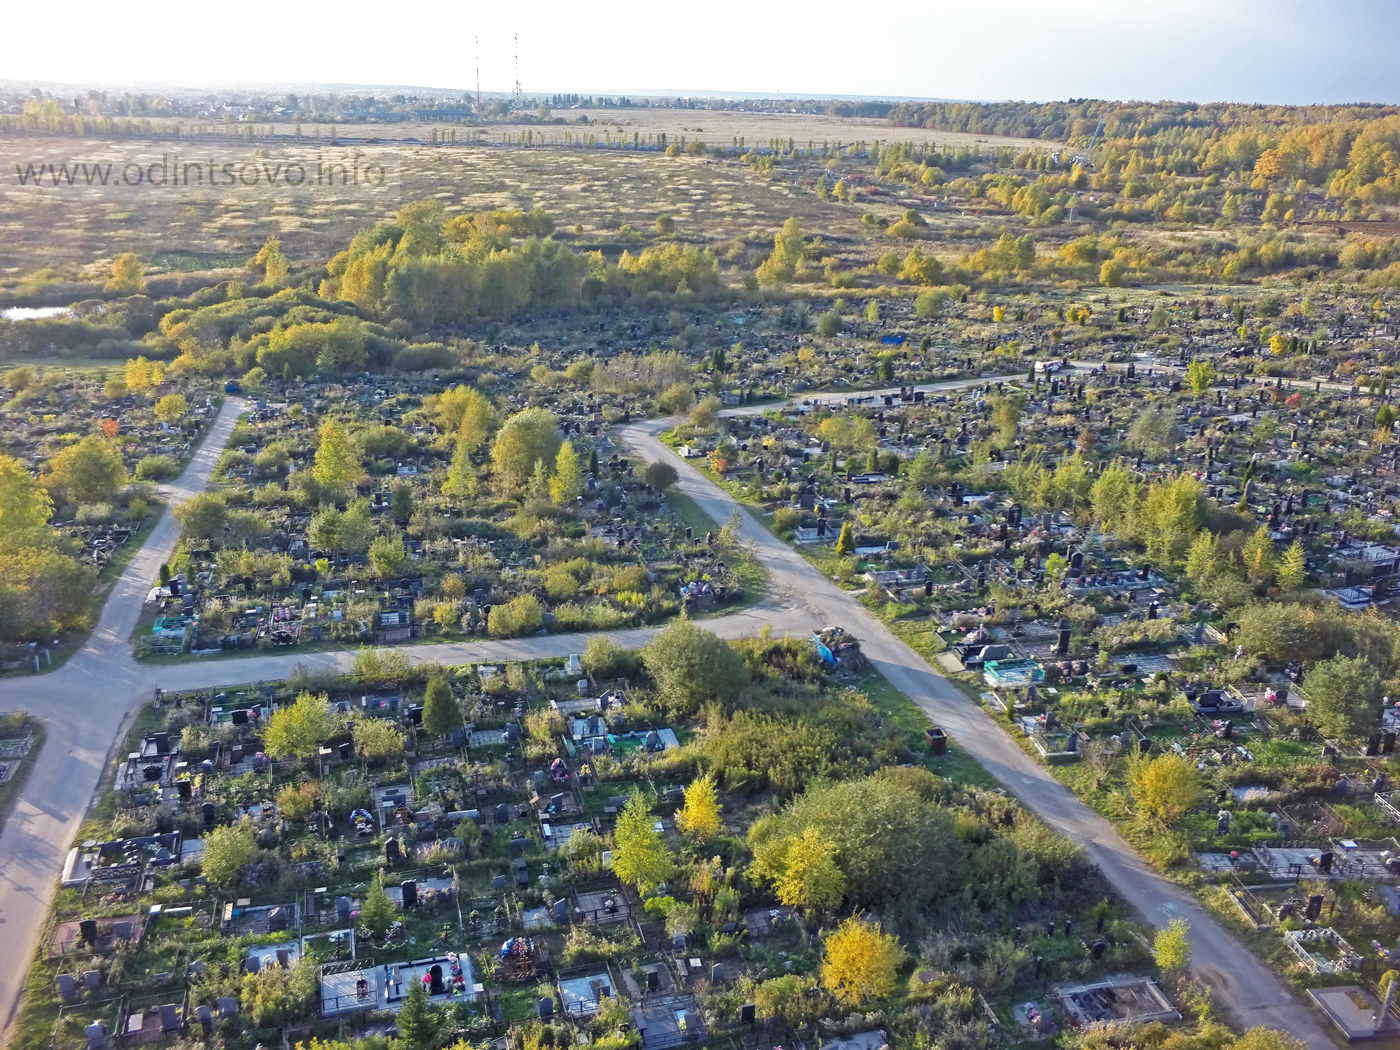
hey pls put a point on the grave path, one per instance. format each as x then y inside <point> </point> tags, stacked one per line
<point>85,702</point>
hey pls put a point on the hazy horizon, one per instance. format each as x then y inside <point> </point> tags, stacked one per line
<point>1292,52</point>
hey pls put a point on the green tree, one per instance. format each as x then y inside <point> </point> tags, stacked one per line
<point>1293,567</point>
<point>461,474</point>
<point>1115,497</point>
<point>828,324</point>
<point>89,472</point>
<point>297,730</point>
<point>418,1019</point>
<point>640,855</point>
<point>356,529</point>
<point>1199,376</point>
<point>789,251</point>
<point>692,667</point>
<point>1203,560</point>
<point>789,998</point>
<point>665,225</point>
<point>202,517</point>
<point>377,910</point>
<point>338,460</point>
<point>441,715</point>
<point>227,849</point>
<point>24,508</point>
<point>388,557</point>
<point>1154,431</point>
<point>1172,947</point>
<point>528,437</point>
<point>567,483</point>
<point>1258,555</point>
<point>128,275</point>
<point>1344,695</point>
<point>468,414</point>
<point>846,541</point>
<point>660,475</point>
<point>377,739</point>
<point>401,503</point>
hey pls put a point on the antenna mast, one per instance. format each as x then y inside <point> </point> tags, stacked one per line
<point>477,41</point>
<point>519,95</point>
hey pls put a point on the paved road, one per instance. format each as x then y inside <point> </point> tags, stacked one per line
<point>86,701</point>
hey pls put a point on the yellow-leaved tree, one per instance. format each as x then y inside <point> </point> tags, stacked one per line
<point>812,880</point>
<point>861,963</point>
<point>1164,787</point>
<point>699,816</point>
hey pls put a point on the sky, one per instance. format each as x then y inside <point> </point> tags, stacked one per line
<point>1283,51</point>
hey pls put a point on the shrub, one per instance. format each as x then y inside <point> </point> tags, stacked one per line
<point>157,468</point>
<point>521,615</point>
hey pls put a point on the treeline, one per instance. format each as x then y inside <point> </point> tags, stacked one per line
<point>427,269</point>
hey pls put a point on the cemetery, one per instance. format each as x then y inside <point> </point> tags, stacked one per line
<point>82,456</point>
<point>423,533</point>
<point>320,856</point>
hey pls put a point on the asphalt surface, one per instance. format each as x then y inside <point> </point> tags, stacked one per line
<point>85,703</point>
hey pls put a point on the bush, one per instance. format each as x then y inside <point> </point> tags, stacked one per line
<point>604,658</point>
<point>520,615</point>
<point>157,468</point>
<point>425,356</point>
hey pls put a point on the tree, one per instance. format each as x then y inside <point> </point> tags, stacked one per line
<point>401,503</point>
<point>567,483</point>
<point>1164,787</point>
<point>42,591</point>
<point>171,407</point>
<point>1344,695</point>
<point>127,275</point>
<point>417,1019</point>
<point>377,739</point>
<point>660,475</point>
<point>861,963</point>
<point>299,729</point>
<point>89,472</point>
<point>789,251</point>
<point>1199,376</point>
<point>828,324</point>
<point>846,542</point>
<point>1293,567</point>
<point>202,517</point>
<point>441,714</point>
<point>461,474</point>
<point>1203,560</point>
<point>1172,947</point>
<point>705,412</point>
<point>665,225</point>
<point>788,998</point>
<point>24,508</point>
<point>1258,555</point>
<point>274,263</point>
<point>640,855</point>
<point>528,437</point>
<point>880,828</point>
<point>468,414</point>
<point>227,849</point>
<point>355,528</point>
<point>692,667</point>
<point>338,460</point>
<point>377,910</point>
<point>699,816</point>
<point>1154,431</point>
<point>812,880</point>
